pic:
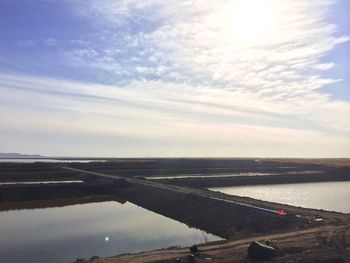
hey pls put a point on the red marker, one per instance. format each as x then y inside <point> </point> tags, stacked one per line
<point>281,213</point>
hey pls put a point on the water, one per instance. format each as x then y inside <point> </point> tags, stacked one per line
<point>188,176</point>
<point>43,182</point>
<point>103,229</point>
<point>47,160</point>
<point>332,196</point>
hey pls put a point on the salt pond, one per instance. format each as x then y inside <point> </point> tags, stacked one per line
<point>333,196</point>
<point>63,234</point>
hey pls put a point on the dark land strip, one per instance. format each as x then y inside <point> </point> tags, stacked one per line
<point>196,207</point>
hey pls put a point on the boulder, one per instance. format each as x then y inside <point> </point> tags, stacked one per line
<point>271,243</point>
<point>257,250</point>
<point>194,250</point>
<point>186,259</point>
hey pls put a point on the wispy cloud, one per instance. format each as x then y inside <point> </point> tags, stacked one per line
<point>204,41</point>
<point>171,118</point>
<point>238,77</point>
<point>267,52</point>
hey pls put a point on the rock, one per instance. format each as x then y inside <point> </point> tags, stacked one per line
<point>79,260</point>
<point>186,259</point>
<point>194,250</point>
<point>257,250</point>
<point>94,258</point>
<point>271,243</point>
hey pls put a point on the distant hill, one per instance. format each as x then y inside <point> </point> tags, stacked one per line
<point>19,155</point>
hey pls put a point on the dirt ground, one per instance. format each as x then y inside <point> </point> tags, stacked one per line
<point>321,244</point>
<point>298,240</point>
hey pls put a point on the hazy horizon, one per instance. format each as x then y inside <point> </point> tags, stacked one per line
<point>128,78</point>
<point>38,156</point>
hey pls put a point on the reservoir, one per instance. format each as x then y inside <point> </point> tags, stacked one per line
<point>62,234</point>
<point>332,196</point>
<point>46,160</point>
<point>189,176</point>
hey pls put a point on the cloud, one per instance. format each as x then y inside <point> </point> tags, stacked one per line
<point>50,42</point>
<point>149,116</point>
<point>257,46</point>
<point>267,52</point>
<point>237,78</point>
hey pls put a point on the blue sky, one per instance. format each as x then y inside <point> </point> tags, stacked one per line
<point>133,78</point>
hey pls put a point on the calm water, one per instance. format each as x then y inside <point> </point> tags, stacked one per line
<point>333,196</point>
<point>204,175</point>
<point>102,229</point>
<point>44,182</point>
<point>185,176</point>
<point>38,160</point>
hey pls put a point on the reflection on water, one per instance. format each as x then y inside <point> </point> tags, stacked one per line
<point>43,182</point>
<point>61,202</point>
<point>333,196</point>
<point>47,160</point>
<point>187,176</point>
<point>102,229</point>
<point>204,175</point>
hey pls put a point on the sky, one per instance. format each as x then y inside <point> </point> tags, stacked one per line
<point>177,78</point>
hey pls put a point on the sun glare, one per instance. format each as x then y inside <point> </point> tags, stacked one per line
<point>245,21</point>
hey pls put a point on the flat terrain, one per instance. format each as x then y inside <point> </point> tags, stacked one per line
<point>303,235</point>
<point>226,172</point>
<point>321,244</point>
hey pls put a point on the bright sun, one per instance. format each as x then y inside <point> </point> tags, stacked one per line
<point>245,21</point>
